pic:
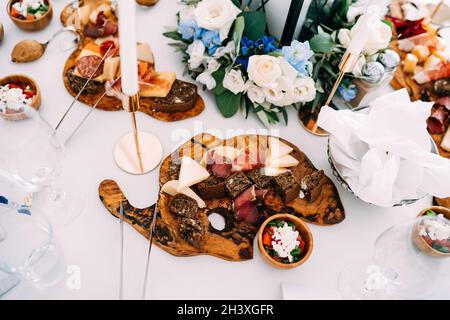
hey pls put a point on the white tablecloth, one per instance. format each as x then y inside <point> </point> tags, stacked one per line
<point>91,243</point>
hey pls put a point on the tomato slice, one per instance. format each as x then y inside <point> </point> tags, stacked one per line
<point>301,245</point>
<point>267,239</point>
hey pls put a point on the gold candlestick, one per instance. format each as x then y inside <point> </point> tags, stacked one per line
<point>137,152</point>
<point>347,63</point>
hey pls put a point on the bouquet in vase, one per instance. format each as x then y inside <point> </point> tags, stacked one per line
<point>226,48</point>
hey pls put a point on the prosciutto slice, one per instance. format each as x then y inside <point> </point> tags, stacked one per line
<point>245,206</point>
<point>247,161</point>
<point>436,122</point>
<point>220,166</point>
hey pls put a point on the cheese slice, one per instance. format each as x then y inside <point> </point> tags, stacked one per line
<point>286,161</point>
<point>410,63</point>
<point>84,13</point>
<point>160,85</point>
<point>278,149</point>
<point>145,53</point>
<point>110,68</point>
<point>191,172</point>
<point>272,172</point>
<point>225,151</point>
<point>171,188</point>
<point>90,50</point>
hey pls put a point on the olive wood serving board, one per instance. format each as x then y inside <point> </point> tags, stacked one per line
<point>235,241</point>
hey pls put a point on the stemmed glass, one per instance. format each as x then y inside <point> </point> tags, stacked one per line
<point>31,160</point>
<point>398,269</point>
<point>29,249</point>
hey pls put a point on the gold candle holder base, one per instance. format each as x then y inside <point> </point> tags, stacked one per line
<point>137,152</point>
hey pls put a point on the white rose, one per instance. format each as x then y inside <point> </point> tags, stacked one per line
<point>196,53</point>
<point>255,93</point>
<point>304,90</point>
<point>282,94</point>
<point>230,49</point>
<point>206,78</point>
<point>379,38</point>
<point>264,70</point>
<point>234,82</point>
<point>357,68</point>
<point>216,15</point>
<point>187,13</point>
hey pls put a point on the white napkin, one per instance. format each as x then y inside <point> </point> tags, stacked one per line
<point>384,153</point>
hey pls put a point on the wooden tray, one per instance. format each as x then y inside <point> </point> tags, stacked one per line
<point>235,242</point>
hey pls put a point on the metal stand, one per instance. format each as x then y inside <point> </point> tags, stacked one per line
<point>137,152</point>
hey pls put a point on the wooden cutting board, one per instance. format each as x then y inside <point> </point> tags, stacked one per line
<point>235,241</point>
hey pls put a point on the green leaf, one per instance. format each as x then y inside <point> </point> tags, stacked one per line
<point>255,24</point>
<point>173,35</point>
<point>237,3</point>
<point>219,75</point>
<point>322,43</point>
<point>238,31</point>
<point>228,103</point>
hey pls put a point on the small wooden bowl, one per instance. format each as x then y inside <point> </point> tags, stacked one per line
<point>35,102</point>
<point>147,2</point>
<point>418,240</point>
<point>34,25</point>
<point>304,231</point>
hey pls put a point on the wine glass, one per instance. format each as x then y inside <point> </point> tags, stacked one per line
<point>33,155</point>
<point>398,269</point>
<point>29,249</point>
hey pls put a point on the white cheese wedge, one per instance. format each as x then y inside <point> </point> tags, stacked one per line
<point>110,68</point>
<point>171,187</point>
<point>224,151</point>
<point>278,149</point>
<point>272,172</point>
<point>286,161</point>
<point>145,53</point>
<point>84,13</point>
<point>191,172</point>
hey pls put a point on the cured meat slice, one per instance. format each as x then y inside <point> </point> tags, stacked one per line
<point>436,72</point>
<point>437,120</point>
<point>245,206</point>
<point>89,66</point>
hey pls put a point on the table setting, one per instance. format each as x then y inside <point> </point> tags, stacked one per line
<point>217,149</point>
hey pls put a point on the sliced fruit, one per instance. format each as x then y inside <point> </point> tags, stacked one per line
<point>170,187</point>
<point>159,86</point>
<point>191,172</point>
<point>277,149</point>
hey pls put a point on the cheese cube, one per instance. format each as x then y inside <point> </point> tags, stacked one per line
<point>110,68</point>
<point>160,85</point>
<point>410,63</point>
<point>431,61</point>
<point>421,52</point>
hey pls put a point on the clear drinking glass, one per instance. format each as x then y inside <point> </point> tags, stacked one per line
<point>32,154</point>
<point>29,249</point>
<point>398,270</point>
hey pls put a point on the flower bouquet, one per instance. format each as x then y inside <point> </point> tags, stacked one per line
<point>226,48</point>
<point>330,26</point>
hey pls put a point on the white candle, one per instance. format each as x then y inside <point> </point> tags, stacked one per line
<point>362,29</point>
<point>128,47</point>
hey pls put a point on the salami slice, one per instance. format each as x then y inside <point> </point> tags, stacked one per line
<point>87,66</point>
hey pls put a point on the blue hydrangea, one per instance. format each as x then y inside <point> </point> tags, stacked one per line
<point>298,55</point>
<point>189,30</point>
<point>348,93</point>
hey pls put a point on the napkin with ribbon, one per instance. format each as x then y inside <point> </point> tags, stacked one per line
<point>384,152</point>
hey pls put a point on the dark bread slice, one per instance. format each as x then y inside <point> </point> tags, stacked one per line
<point>181,98</point>
<point>286,186</point>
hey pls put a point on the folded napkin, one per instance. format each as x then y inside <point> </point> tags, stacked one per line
<point>384,152</point>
